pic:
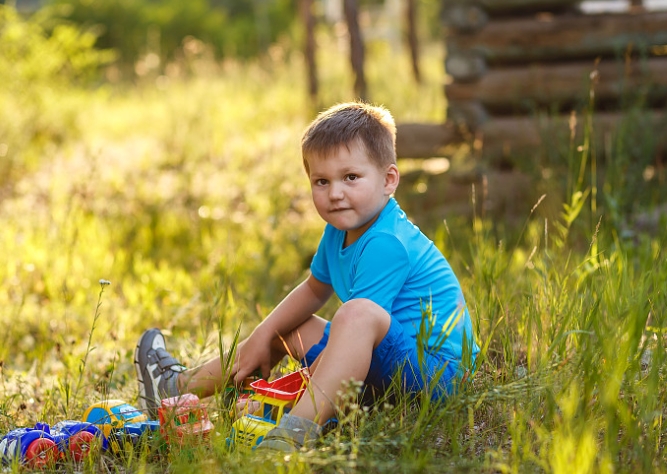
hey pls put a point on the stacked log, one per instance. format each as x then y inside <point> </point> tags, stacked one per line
<point>519,68</point>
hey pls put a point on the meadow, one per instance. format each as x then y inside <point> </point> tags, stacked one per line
<point>186,192</point>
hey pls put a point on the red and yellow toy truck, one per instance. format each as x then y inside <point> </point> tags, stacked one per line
<point>265,407</point>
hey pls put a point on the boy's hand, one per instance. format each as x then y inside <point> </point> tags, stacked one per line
<point>252,354</point>
<point>265,346</point>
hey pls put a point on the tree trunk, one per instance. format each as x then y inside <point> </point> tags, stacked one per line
<point>413,43</point>
<point>351,9</point>
<point>548,38</point>
<point>309,48</point>
<point>563,86</point>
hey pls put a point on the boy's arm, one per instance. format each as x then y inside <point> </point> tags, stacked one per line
<point>299,305</point>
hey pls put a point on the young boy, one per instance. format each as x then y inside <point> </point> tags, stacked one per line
<point>402,313</point>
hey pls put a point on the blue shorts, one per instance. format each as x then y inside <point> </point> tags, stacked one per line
<point>398,355</point>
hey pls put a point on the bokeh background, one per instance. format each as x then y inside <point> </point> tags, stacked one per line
<point>154,144</point>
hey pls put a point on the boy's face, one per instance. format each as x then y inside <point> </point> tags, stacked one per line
<point>349,190</point>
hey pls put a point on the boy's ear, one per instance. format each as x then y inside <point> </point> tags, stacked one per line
<point>391,179</point>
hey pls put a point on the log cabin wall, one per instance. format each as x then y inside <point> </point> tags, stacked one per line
<point>518,68</point>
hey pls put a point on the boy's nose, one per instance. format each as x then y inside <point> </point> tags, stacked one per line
<point>335,191</point>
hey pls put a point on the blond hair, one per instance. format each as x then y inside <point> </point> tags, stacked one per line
<point>372,126</point>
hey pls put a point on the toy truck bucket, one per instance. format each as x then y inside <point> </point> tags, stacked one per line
<point>288,387</point>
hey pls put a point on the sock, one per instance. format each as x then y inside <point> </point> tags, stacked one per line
<point>310,429</point>
<point>170,385</point>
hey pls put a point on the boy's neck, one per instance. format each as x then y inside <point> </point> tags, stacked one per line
<point>350,239</point>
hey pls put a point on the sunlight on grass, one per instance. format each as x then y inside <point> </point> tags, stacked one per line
<point>188,194</point>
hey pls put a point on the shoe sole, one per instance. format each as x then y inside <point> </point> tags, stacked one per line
<point>146,343</point>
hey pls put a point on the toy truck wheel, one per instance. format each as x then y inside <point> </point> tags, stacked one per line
<point>79,445</point>
<point>41,453</point>
<point>122,443</point>
<point>116,444</point>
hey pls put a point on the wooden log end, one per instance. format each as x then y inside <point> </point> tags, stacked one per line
<point>464,18</point>
<point>470,115</point>
<point>465,67</point>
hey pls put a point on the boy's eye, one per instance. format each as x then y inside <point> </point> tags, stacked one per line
<point>351,177</point>
<point>320,182</point>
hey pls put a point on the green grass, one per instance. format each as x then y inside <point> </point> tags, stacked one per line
<point>191,200</point>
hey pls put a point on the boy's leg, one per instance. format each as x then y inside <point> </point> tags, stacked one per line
<point>356,329</point>
<point>160,375</point>
<point>207,379</point>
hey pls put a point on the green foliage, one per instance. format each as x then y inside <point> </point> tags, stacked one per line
<point>63,56</point>
<point>135,28</point>
<point>36,70</point>
<point>120,25</point>
<point>189,196</point>
<point>632,161</point>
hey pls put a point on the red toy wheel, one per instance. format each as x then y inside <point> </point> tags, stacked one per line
<point>41,453</point>
<point>79,445</point>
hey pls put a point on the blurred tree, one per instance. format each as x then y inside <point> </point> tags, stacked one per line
<point>357,49</point>
<point>413,42</point>
<point>309,47</point>
<point>120,25</point>
<point>36,67</point>
<point>136,27</point>
<point>235,8</point>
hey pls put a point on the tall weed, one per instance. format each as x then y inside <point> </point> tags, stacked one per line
<point>190,196</point>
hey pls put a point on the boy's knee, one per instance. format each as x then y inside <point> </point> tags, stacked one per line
<point>363,314</point>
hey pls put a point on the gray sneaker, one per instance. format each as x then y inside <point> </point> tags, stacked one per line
<point>291,434</point>
<point>282,439</point>
<point>157,371</point>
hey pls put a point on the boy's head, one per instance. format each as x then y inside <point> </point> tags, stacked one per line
<point>371,126</point>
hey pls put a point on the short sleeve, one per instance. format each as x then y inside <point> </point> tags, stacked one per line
<point>381,270</point>
<point>319,266</point>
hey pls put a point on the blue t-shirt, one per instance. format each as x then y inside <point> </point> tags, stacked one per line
<point>396,266</point>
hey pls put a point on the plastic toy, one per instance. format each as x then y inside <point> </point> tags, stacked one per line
<point>271,400</point>
<point>110,415</point>
<point>43,445</point>
<point>185,418</point>
<point>120,422</point>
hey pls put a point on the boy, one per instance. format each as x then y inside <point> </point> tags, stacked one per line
<point>381,267</point>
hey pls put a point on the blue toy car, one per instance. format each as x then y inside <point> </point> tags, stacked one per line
<point>43,445</point>
<point>121,423</point>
